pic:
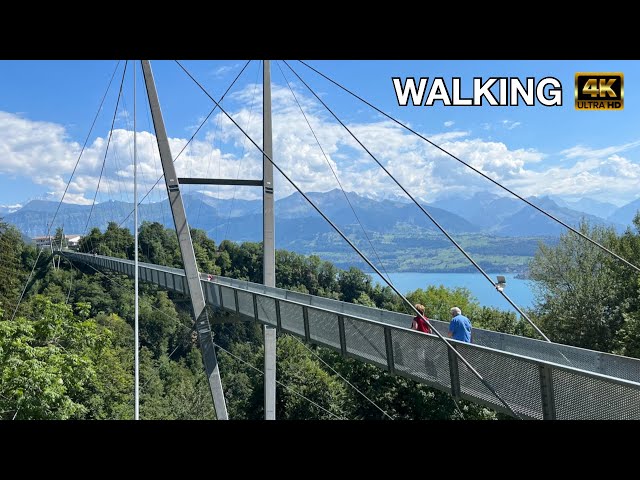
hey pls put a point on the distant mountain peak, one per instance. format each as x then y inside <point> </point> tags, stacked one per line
<point>626,213</point>
<point>484,195</point>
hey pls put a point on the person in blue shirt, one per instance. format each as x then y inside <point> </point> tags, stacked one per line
<point>460,326</point>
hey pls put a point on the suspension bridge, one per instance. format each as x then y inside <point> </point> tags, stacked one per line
<point>522,377</point>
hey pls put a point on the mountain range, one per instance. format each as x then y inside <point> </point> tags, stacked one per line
<point>483,212</point>
<point>395,225</point>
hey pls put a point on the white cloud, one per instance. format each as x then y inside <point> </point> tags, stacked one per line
<point>123,115</point>
<point>510,124</point>
<point>442,137</point>
<point>10,208</point>
<point>580,151</point>
<point>221,71</point>
<point>449,123</point>
<point>43,152</point>
<point>27,147</point>
<point>606,179</point>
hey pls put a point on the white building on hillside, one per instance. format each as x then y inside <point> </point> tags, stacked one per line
<point>71,240</point>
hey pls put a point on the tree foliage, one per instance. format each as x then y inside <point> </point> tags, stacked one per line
<point>14,257</point>
<point>48,361</point>
<point>586,297</point>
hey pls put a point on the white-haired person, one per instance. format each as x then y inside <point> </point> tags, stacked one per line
<point>460,326</point>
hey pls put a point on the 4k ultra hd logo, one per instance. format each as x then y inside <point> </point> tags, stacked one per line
<point>599,91</point>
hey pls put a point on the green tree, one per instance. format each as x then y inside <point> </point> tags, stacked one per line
<point>496,320</point>
<point>158,322</point>
<point>11,267</point>
<point>117,242</point>
<point>172,390</point>
<point>205,251</point>
<point>627,339</point>
<point>353,283</point>
<point>159,245</point>
<point>303,374</point>
<point>59,240</point>
<point>46,363</point>
<point>91,243</point>
<point>109,396</point>
<point>243,390</point>
<point>578,299</point>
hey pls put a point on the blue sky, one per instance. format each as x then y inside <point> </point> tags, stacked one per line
<point>46,109</point>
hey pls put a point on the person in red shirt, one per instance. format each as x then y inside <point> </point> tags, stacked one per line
<point>419,323</point>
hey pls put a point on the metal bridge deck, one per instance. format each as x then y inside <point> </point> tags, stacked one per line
<point>539,380</point>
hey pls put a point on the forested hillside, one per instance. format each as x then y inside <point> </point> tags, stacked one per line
<point>67,350</point>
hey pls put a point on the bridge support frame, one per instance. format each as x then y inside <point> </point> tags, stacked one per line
<point>205,335</point>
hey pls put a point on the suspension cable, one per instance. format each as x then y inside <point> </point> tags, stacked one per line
<point>86,140</point>
<point>433,220</point>
<point>279,382</point>
<point>244,146</point>
<point>106,151</point>
<point>351,244</point>
<point>337,373</point>
<point>333,171</point>
<point>24,289</point>
<point>215,344</point>
<point>95,118</point>
<point>192,137</point>
<point>108,277</point>
<point>192,329</point>
<point>406,127</point>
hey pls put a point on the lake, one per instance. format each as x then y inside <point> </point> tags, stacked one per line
<point>519,291</point>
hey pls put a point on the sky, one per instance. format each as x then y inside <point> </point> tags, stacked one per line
<point>47,109</point>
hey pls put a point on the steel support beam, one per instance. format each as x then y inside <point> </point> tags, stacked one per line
<point>205,335</point>
<point>268,245</point>
<point>219,181</point>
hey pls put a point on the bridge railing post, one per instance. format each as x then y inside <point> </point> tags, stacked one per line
<point>546,392</point>
<point>255,307</point>
<point>278,319</point>
<point>390,358</point>
<point>454,373</point>
<point>343,340</point>
<point>220,297</point>
<point>235,296</point>
<point>305,317</point>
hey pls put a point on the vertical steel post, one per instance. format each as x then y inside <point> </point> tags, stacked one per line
<point>268,244</point>
<point>136,342</point>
